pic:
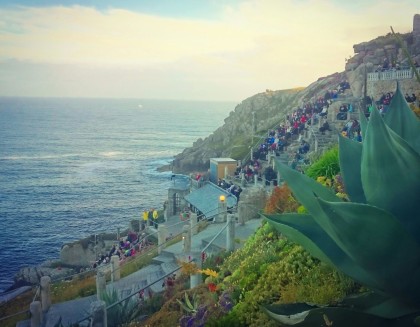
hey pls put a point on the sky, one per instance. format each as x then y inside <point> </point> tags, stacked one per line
<point>221,50</point>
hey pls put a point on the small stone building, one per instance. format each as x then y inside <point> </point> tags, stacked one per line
<point>179,188</point>
<point>220,167</point>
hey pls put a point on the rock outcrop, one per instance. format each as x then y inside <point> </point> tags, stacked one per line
<point>32,275</point>
<point>84,252</point>
<point>265,110</point>
<point>259,113</point>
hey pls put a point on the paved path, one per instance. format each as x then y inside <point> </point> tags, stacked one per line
<point>75,310</point>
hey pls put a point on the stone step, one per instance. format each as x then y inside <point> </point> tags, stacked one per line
<point>153,277</point>
<point>163,257</point>
<point>168,267</point>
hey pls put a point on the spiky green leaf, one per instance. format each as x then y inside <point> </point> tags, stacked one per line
<point>350,155</point>
<point>363,122</point>
<point>402,120</point>
<point>304,188</point>
<point>373,238</point>
<point>303,230</point>
<point>390,173</point>
<point>303,315</point>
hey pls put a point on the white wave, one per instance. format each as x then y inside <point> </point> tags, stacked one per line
<point>43,157</point>
<point>111,153</point>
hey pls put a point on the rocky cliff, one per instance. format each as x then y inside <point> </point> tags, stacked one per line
<point>265,110</point>
<point>259,113</point>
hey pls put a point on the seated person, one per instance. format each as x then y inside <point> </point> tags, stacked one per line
<point>342,116</point>
<point>325,127</point>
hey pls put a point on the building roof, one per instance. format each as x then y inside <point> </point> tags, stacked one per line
<point>206,199</point>
<point>230,160</point>
<point>180,182</point>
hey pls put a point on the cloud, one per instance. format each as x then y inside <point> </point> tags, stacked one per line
<point>85,35</point>
<point>248,48</point>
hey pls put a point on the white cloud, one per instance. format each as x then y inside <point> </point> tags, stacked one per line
<point>258,45</point>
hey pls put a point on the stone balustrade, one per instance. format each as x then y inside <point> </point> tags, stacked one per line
<point>391,75</point>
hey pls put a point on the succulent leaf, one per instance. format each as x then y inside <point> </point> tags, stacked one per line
<point>303,230</point>
<point>350,156</point>
<point>290,315</point>
<point>376,238</point>
<point>371,237</point>
<point>304,188</point>
<point>363,122</point>
<point>402,120</point>
<point>390,173</point>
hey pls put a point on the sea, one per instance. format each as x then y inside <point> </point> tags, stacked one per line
<point>70,168</point>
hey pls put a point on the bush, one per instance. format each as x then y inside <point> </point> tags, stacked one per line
<point>327,165</point>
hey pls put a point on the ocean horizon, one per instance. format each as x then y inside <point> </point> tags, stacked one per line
<point>73,167</point>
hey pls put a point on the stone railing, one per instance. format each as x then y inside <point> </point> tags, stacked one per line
<point>391,75</point>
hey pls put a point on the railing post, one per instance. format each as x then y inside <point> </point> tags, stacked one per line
<point>186,239</point>
<point>162,235</point>
<point>115,268</point>
<point>222,210</point>
<point>45,293</point>
<point>278,178</point>
<point>196,279</point>
<point>193,223</point>
<point>230,233</point>
<point>255,180</point>
<point>100,284</point>
<point>98,313</point>
<point>35,309</point>
<point>241,213</point>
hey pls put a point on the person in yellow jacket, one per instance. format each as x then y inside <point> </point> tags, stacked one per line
<point>155,217</point>
<point>145,218</point>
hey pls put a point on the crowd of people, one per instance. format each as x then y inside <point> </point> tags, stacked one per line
<point>233,189</point>
<point>278,139</point>
<point>126,247</point>
<point>393,65</point>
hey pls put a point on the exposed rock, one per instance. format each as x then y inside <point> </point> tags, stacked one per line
<point>84,252</point>
<point>262,111</point>
<point>32,275</point>
<point>416,26</point>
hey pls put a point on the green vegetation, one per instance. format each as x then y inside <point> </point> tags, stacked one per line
<point>120,313</point>
<point>327,165</point>
<point>375,238</point>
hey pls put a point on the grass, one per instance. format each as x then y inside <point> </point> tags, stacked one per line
<point>20,303</point>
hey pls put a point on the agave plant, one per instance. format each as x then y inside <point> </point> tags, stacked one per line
<point>375,238</point>
<point>190,306</point>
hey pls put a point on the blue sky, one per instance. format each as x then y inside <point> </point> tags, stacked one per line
<point>171,8</point>
<point>201,50</point>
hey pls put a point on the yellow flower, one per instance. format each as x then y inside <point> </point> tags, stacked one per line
<point>208,272</point>
<point>320,179</point>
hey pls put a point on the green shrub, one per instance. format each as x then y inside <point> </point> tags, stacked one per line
<point>327,165</point>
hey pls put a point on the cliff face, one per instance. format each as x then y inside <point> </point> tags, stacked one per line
<point>265,110</point>
<point>370,55</point>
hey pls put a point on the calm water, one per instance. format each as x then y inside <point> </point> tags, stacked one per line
<point>74,167</point>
